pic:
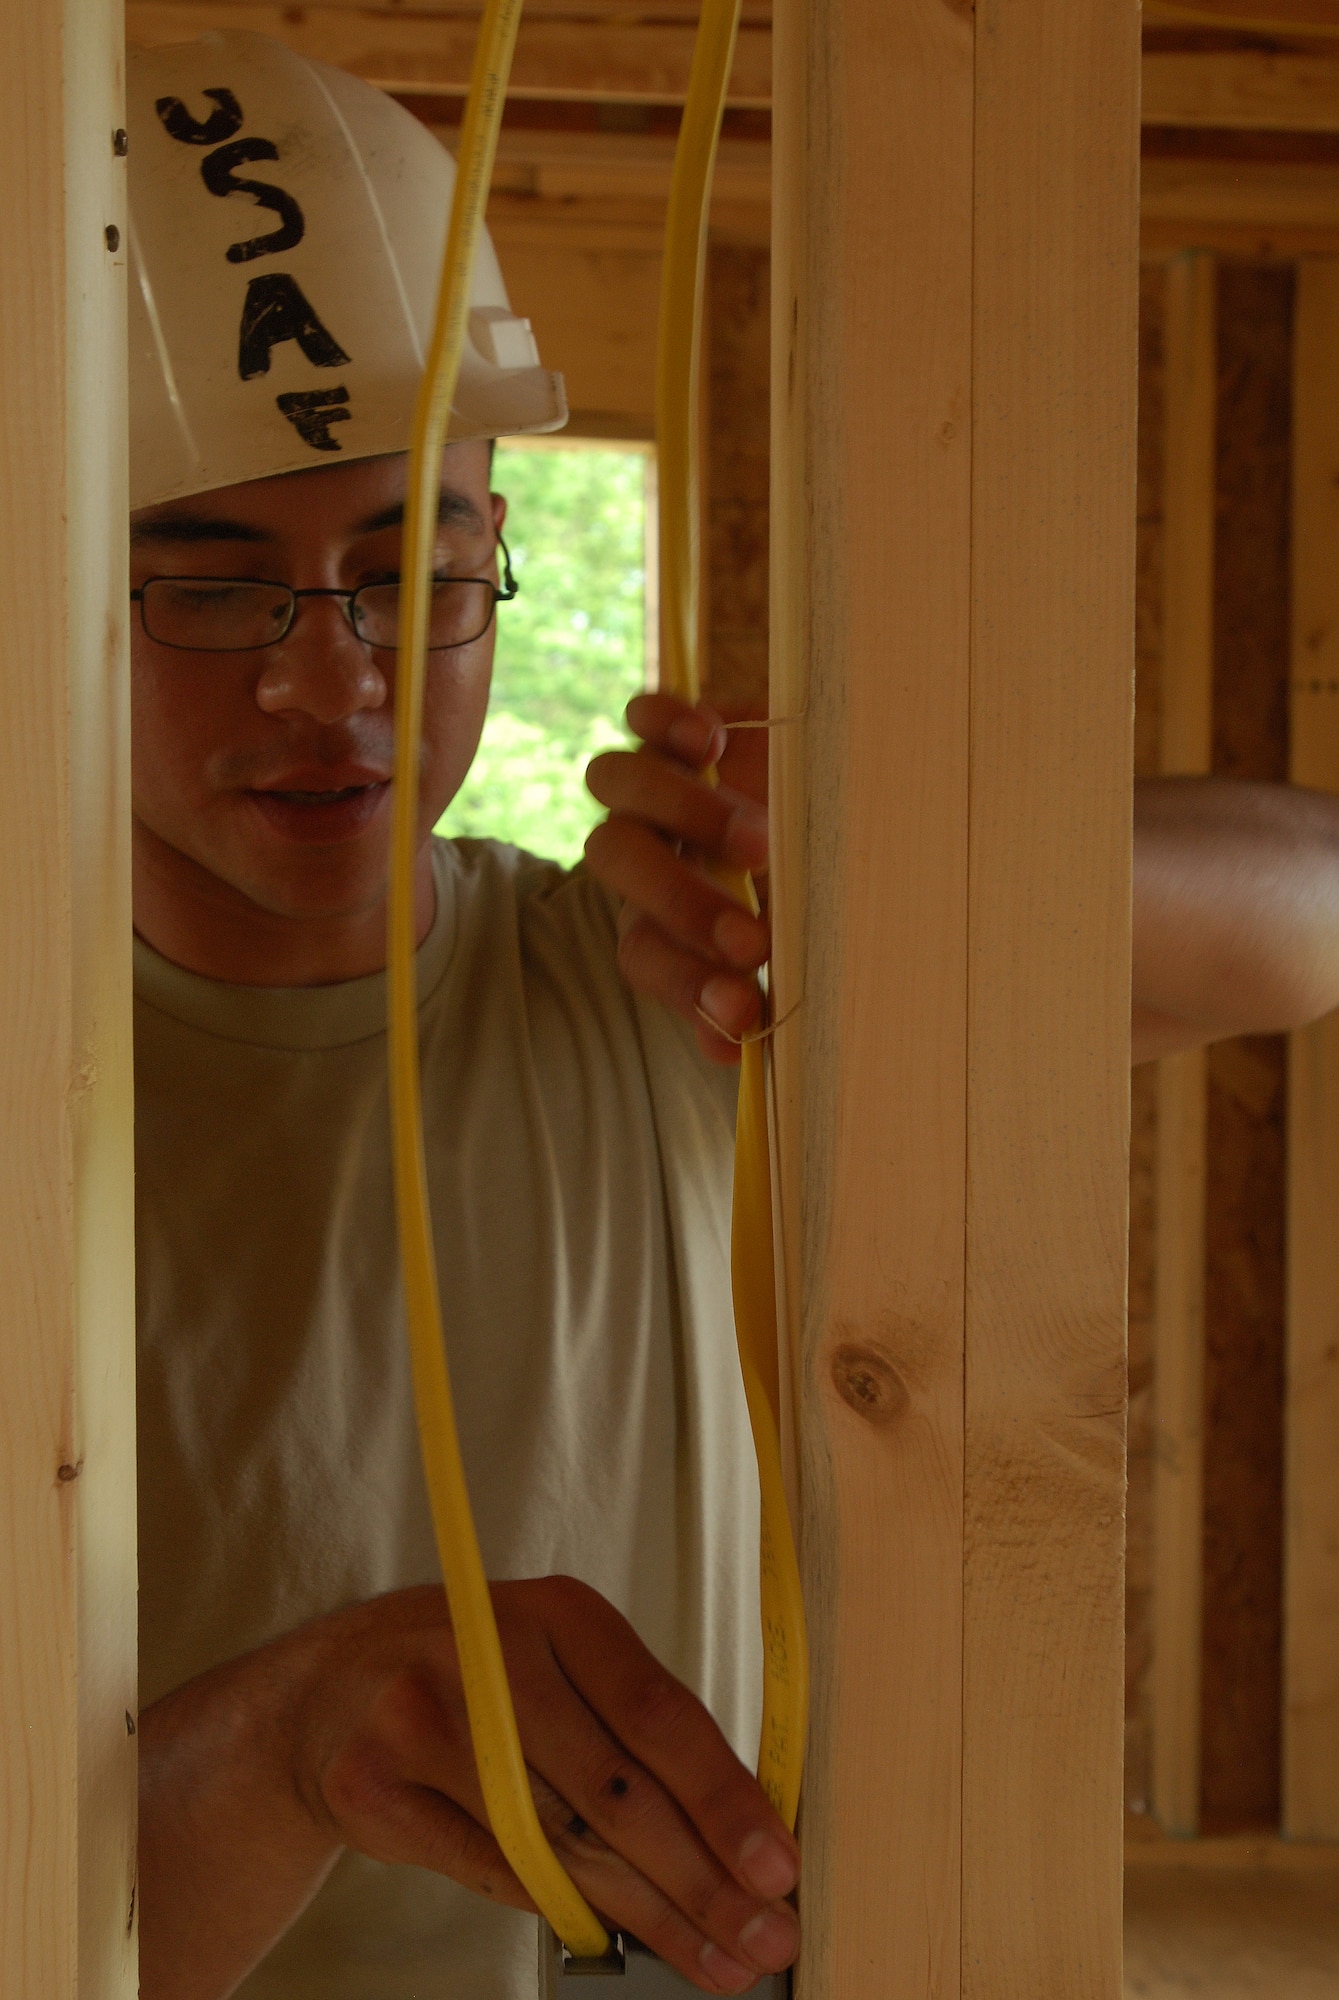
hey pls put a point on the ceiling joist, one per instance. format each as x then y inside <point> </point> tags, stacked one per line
<point>592,54</point>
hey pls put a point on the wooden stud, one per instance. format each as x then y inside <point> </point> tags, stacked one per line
<point>67,1414</point>
<point>1055,313</point>
<point>736,457</point>
<point>1311,1616</point>
<point>952,594</point>
<point>1186,749</point>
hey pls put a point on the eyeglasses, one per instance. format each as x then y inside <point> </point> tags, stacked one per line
<point>239,614</point>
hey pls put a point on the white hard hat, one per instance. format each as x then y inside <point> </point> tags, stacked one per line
<point>286,231</point>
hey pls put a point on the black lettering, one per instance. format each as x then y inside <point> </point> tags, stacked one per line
<point>217,174</point>
<point>312,411</point>
<point>276,309</point>
<point>219,125</point>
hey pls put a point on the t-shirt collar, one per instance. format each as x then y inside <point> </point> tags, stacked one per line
<point>296,1017</point>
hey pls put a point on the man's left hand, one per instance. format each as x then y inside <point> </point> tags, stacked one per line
<point>684,939</point>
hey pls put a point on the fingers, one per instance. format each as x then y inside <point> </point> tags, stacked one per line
<point>719,825</point>
<point>696,737</point>
<point>382,1813</point>
<point>635,1856</point>
<point>694,912</point>
<point>408,1790</point>
<point>654,964</point>
<point>670,1732</point>
<point>660,1825</point>
<point>664,722</point>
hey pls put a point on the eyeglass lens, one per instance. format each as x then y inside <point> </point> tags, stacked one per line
<point>205,614</point>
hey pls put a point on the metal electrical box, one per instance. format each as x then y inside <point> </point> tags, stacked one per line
<point>643,1975</point>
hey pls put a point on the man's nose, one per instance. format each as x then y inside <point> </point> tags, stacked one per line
<point>321,667</point>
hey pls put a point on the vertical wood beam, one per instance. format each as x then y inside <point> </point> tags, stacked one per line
<point>1186,749</point>
<point>954,320</point>
<point>737,336</point>
<point>1055,318</point>
<point>1311,1517</point>
<point>67,1484</point>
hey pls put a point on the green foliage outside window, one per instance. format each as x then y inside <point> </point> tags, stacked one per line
<point>570,649</point>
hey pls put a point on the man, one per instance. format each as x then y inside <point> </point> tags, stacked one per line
<point>310,1815</point>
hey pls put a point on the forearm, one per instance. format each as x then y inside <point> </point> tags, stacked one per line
<point>1236,910</point>
<point>229,1853</point>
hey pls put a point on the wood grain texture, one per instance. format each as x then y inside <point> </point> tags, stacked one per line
<point>1311,1517</point>
<point>738,337</point>
<point>952,597</point>
<point>1234,1932</point>
<point>431,50</point>
<point>593,309</point>
<point>1243,208</point>
<point>1244,1276</point>
<point>1054,402</point>
<point>1308,17</point>
<point>1143,1081</point>
<point>1186,749</point>
<point>67,1488</point>
<point>871,604</point>
<point>1255,89</point>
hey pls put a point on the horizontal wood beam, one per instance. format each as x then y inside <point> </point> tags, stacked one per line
<point>1278,17</point>
<point>1243,91</point>
<point>590,61</point>
<point>607,190</point>
<point>575,166</point>
<point>1246,207</point>
<point>611,57</point>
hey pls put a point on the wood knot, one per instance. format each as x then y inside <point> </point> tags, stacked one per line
<point>65,1473</point>
<point>868,1381</point>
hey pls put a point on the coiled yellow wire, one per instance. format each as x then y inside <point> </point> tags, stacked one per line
<point>497,1744</point>
<point>785,1647</point>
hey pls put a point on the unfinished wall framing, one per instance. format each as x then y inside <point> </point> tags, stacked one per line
<point>953,521</point>
<point>1186,748</point>
<point>1311,1518</point>
<point>67,1417</point>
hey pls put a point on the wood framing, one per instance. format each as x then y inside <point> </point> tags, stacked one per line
<point>1244,208</point>
<point>953,521</point>
<point>67,1416</point>
<point>1311,1614</point>
<point>593,50</point>
<point>1185,748</point>
<point>1302,17</point>
<point>1245,90</point>
<point>604,56</point>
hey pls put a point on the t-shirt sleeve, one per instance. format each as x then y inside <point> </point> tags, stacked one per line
<point>586,914</point>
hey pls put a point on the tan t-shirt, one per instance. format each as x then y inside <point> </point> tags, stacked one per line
<point>579,1158</point>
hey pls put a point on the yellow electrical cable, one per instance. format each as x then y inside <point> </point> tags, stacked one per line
<point>785,1648</point>
<point>493,1732</point>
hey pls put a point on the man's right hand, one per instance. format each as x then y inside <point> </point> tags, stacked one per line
<point>352,1732</point>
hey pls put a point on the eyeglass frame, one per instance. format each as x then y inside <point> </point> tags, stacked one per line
<point>508,591</point>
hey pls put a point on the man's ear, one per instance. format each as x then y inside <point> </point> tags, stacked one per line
<point>499,501</point>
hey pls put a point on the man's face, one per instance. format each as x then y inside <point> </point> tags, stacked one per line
<point>270,770</point>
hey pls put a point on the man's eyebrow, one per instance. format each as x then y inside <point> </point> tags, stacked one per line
<point>188,528</point>
<point>453,509</point>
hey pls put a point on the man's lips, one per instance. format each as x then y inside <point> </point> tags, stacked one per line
<point>320,812</point>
